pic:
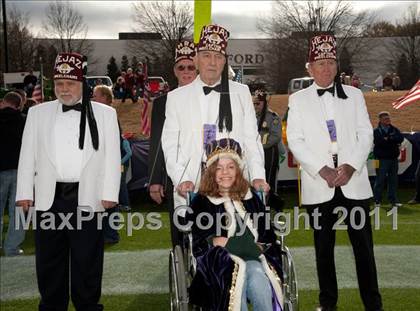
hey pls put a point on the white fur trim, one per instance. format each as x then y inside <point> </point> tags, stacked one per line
<point>230,209</point>
<point>240,280</point>
<point>277,285</point>
<point>220,200</point>
<point>240,209</point>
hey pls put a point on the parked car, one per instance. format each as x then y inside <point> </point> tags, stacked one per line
<point>93,81</point>
<point>157,86</point>
<point>299,84</point>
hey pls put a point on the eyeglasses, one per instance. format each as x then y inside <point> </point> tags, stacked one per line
<point>182,68</point>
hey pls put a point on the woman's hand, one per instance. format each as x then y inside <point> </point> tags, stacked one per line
<point>220,241</point>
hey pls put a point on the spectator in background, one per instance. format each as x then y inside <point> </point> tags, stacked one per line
<point>416,144</point>
<point>29,82</point>
<point>396,82</point>
<point>129,86</point>
<point>30,102</point>
<point>342,78</point>
<point>12,124</point>
<point>102,94</point>
<point>119,88</point>
<point>126,153</point>
<point>387,141</point>
<point>347,80</point>
<point>355,81</point>
<point>139,73</point>
<point>269,127</point>
<point>24,97</point>
<point>387,83</point>
<point>379,83</point>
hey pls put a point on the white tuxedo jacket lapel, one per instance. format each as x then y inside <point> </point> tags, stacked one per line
<point>318,110</point>
<point>49,132</point>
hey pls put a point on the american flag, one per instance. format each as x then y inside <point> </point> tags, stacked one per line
<point>412,96</point>
<point>38,93</point>
<point>145,120</point>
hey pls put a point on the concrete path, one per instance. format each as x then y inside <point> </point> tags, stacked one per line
<point>147,271</point>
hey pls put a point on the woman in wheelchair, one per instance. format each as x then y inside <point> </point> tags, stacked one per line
<point>237,259</point>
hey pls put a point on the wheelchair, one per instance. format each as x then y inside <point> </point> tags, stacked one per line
<point>182,267</point>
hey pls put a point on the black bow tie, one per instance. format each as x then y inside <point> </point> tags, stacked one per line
<point>208,89</point>
<point>77,107</point>
<point>322,91</point>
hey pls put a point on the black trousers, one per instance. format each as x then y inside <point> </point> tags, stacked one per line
<point>271,165</point>
<point>362,244</point>
<point>66,257</point>
<point>176,235</point>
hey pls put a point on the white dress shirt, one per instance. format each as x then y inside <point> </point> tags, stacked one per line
<point>329,114</point>
<point>209,104</point>
<point>68,154</point>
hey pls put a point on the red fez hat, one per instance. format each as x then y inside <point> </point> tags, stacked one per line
<point>213,38</point>
<point>69,66</point>
<point>184,50</point>
<point>322,47</point>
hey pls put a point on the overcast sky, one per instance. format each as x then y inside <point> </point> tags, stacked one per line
<point>105,19</point>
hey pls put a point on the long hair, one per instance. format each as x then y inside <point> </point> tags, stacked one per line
<point>209,186</point>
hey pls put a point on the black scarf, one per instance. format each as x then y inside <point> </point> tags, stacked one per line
<point>87,111</point>
<point>225,109</point>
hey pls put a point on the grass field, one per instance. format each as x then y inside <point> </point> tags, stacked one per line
<point>393,299</point>
<point>407,234</point>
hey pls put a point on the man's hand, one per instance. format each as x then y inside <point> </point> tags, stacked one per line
<point>156,193</point>
<point>329,175</point>
<point>108,204</point>
<point>220,241</point>
<point>185,187</point>
<point>260,184</point>
<point>344,173</point>
<point>25,204</point>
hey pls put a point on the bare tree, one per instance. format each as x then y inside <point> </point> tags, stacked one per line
<point>65,24</point>
<point>408,44</point>
<point>381,29</point>
<point>173,21</point>
<point>21,42</point>
<point>293,23</point>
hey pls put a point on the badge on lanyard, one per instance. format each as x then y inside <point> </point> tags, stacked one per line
<point>332,130</point>
<point>209,133</point>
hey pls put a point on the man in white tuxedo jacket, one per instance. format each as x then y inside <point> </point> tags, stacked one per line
<point>330,135</point>
<point>69,174</point>
<point>208,109</point>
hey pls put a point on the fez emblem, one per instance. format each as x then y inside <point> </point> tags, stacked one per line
<point>214,38</point>
<point>64,68</point>
<point>186,50</point>
<point>325,47</point>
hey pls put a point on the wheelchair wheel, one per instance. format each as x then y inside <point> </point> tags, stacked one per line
<point>290,288</point>
<point>177,280</point>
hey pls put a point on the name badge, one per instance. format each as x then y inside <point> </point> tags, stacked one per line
<point>332,130</point>
<point>209,133</point>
